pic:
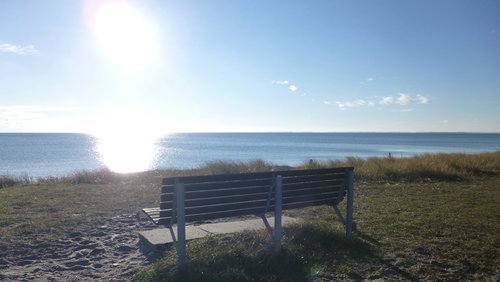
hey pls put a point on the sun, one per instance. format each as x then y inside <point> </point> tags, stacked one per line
<point>125,36</point>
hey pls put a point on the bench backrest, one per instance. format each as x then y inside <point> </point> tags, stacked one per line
<point>217,196</point>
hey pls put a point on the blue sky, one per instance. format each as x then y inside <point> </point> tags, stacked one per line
<point>226,66</point>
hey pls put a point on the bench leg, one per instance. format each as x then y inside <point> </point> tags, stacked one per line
<point>181,226</point>
<point>278,200</point>
<point>350,204</point>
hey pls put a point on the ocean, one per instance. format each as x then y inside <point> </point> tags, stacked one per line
<point>59,154</point>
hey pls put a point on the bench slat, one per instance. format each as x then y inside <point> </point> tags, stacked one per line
<point>312,178</point>
<point>312,197</point>
<point>308,204</point>
<point>304,185</point>
<point>312,191</point>
<point>207,186</point>
<point>223,214</point>
<point>260,204</point>
<point>294,173</point>
<point>218,178</point>
<point>218,193</point>
<point>227,199</point>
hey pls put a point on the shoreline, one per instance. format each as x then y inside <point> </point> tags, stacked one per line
<point>29,179</point>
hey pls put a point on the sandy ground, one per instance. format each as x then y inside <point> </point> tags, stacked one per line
<point>109,252</point>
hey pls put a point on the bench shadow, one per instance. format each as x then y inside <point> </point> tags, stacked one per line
<point>386,263</point>
<point>310,251</point>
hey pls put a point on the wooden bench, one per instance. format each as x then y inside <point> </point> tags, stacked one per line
<point>198,198</point>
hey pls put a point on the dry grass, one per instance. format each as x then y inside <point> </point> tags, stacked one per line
<point>427,167</point>
<point>409,228</point>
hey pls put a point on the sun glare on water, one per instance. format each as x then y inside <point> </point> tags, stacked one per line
<point>126,144</point>
<point>125,36</point>
<point>125,153</point>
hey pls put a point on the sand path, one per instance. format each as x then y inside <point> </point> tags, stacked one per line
<point>109,252</point>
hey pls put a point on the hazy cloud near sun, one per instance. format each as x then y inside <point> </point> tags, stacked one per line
<point>18,49</point>
<point>19,115</point>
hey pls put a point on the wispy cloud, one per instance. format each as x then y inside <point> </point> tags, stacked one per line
<point>352,104</point>
<point>401,99</point>
<point>18,49</point>
<point>292,87</point>
<point>19,116</point>
<point>369,79</point>
<point>421,99</point>
<point>280,82</point>
<point>402,110</point>
<point>404,99</point>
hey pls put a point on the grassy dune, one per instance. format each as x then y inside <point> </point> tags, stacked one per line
<point>432,217</point>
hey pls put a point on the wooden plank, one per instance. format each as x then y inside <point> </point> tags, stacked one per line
<point>225,207</point>
<point>226,199</point>
<point>220,196</point>
<point>165,212</point>
<point>217,178</point>
<point>223,214</point>
<point>166,221</point>
<point>308,198</point>
<point>334,184</point>
<point>308,204</point>
<point>227,184</point>
<point>227,192</point>
<point>220,186</point>
<point>313,191</point>
<point>313,178</point>
<point>288,173</point>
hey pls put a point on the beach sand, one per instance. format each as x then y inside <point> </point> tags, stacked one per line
<point>108,252</point>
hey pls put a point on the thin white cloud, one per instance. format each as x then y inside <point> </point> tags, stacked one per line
<point>281,82</point>
<point>401,99</point>
<point>402,110</point>
<point>352,104</point>
<point>21,116</point>
<point>404,99</point>
<point>326,102</point>
<point>18,49</point>
<point>369,79</point>
<point>293,88</point>
<point>421,99</point>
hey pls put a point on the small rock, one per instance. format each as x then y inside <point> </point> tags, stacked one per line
<point>125,248</point>
<point>74,234</point>
<point>25,262</point>
<point>96,251</point>
<point>4,262</point>
<point>82,262</point>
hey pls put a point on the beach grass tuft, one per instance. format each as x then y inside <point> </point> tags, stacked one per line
<point>426,167</point>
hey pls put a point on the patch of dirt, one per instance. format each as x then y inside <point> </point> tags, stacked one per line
<point>109,252</point>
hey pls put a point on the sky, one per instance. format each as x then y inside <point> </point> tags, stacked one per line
<point>249,66</point>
